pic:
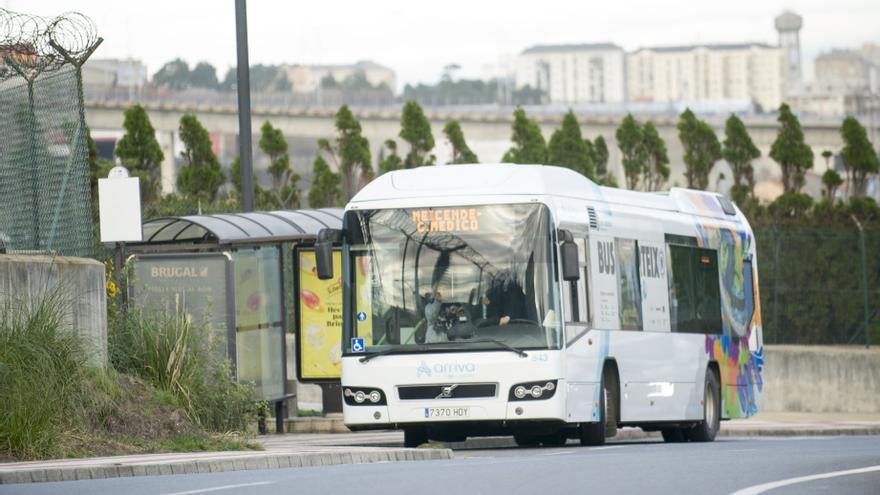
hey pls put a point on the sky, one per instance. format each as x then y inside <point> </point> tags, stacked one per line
<point>417,39</point>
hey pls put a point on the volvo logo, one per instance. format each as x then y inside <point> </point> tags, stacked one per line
<point>446,392</point>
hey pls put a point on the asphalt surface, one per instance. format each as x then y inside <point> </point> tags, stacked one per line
<point>649,466</point>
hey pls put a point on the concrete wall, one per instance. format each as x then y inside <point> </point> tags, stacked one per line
<point>82,284</point>
<point>822,379</point>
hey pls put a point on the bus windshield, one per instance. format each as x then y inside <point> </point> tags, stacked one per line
<point>452,279</point>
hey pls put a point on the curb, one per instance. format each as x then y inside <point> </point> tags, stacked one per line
<point>110,469</point>
<point>800,432</point>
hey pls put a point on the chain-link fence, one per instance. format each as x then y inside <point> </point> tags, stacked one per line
<point>812,289</point>
<point>45,194</point>
<point>45,200</point>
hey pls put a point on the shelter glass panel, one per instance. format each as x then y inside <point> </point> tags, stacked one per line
<point>259,320</point>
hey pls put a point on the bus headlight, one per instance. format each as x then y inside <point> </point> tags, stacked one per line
<point>363,396</point>
<point>540,390</point>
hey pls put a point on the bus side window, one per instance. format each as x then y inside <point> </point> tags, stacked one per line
<point>628,285</point>
<point>576,297</point>
<point>694,291</point>
<point>571,298</point>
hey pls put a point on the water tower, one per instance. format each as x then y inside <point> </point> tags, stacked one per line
<point>788,25</point>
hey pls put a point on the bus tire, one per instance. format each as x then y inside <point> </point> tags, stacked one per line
<point>414,436</point>
<point>707,429</point>
<point>594,433</point>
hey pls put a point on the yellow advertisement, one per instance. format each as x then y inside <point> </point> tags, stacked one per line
<point>320,319</point>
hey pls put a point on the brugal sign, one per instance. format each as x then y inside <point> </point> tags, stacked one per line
<point>119,206</point>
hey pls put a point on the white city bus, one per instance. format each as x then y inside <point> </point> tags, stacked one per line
<point>526,300</point>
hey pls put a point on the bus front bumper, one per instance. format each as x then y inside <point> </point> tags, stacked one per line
<point>455,410</point>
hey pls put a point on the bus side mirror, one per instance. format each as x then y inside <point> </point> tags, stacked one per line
<point>568,252</point>
<point>324,252</point>
<point>324,259</point>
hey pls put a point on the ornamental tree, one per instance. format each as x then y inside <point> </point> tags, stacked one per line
<point>790,151</point>
<point>201,175</point>
<point>139,151</point>
<point>528,142</point>
<point>630,140</point>
<point>461,153</point>
<point>739,151</point>
<point>568,148</point>
<point>701,149</point>
<point>416,130</point>
<point>858,155</point>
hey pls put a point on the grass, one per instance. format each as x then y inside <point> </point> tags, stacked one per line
<point>43,371</point>
<point>165,391</point>
<point>182,360</point>
<point>193,442</point>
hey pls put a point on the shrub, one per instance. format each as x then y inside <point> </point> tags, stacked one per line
<point>43,373</point>
<point>177,355</point>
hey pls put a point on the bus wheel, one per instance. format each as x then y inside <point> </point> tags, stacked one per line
<point>414,436</point>
<point>595,433</point>
<point>673,435</point>
<point>526,440</point>
<point>705,430</point>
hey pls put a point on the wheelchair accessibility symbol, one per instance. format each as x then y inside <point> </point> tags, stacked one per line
<point>357,345</point>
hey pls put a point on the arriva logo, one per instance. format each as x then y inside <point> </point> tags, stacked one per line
<point>423,370</point>
<point>446,369</point>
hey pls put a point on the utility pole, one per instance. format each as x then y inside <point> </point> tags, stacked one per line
<point>244,108</point>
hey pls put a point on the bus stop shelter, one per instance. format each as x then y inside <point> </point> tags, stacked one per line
<point>239,273</point>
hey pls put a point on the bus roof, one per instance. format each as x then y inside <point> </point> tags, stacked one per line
<point>487,180</point>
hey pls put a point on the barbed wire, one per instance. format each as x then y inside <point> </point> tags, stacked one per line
<point>31,45</point>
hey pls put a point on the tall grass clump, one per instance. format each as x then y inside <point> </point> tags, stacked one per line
<point>177,355</point>
<point>44,371</point>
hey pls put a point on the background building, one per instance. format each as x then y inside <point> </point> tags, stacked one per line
<point>706,73</point>
<point>125,73</point>
<point>583,73</point>
<point>307,78</point>
<point>845,70</point>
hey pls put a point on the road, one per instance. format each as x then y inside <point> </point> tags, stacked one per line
<point>726,466</point>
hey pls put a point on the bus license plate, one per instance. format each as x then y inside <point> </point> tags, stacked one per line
<point>446,412</point>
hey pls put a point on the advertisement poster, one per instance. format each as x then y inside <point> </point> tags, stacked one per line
<point>192,285</point>
<point>320,319</point>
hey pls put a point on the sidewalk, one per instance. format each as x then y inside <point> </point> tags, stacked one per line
<point>320,449</point>
<point>292,453</point>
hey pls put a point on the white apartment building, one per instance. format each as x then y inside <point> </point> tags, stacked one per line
<point>307,78</point>
<point>846,71</point>
<point>126,73</point>
<point>581,73</point>
<point>700,73</point>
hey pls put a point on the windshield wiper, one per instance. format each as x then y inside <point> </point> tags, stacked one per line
<point>503,344</point>
<point>377,354</point>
